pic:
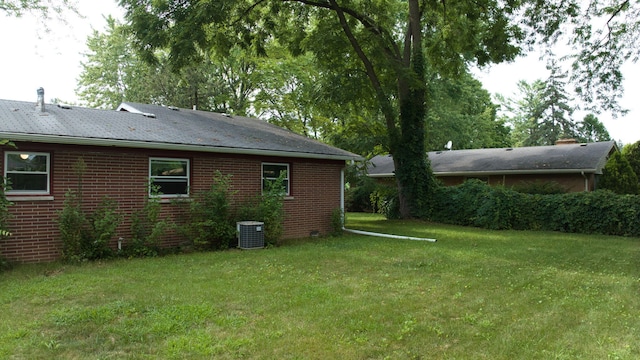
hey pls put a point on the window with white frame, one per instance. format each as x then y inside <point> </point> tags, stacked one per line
<point>271,172</point>
<point>169,177</point>
<point>27,172</point>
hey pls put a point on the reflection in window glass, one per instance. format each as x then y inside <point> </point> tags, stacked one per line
<point>170,176</point>
<point>27,172</point>
<point>272,171</point>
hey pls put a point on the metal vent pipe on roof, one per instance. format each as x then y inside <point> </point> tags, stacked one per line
<point>40,101</point>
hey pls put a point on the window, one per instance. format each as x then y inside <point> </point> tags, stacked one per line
<point>27,172</point>
<point>272,171</point>
<point>170,176</point>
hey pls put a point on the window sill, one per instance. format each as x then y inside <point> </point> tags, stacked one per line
<point>18,198</point>
<point>289,198</point>
<point>170,200</point>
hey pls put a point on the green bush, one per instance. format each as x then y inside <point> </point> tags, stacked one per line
<point>147,228</point>
<point>209,223</point>
<point>5,264</point>
<point>549,212</point>
<point>618,176</point>
<point>502,209</point>
<point>103,224</point>
<point>4,210</point>
<point>358,189</point>
<point>631,152</point>
<point>477,204</point>
<point>268,208</point>
<point>4,221</point>
<point>337,222</point>
<point>72,223</point>
<point>86,237</point>
<point>603,212</point>
<point>384,200</point>
<point>459,204</point>
<point>539,187</point>
<point>358,198</point>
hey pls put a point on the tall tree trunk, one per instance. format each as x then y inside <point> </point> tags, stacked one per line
<point>406,144</point>
<point>413,174</point>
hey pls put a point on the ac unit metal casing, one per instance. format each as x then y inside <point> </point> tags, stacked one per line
<point>250,234</point>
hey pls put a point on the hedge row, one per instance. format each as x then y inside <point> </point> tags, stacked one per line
<point>477,204</point>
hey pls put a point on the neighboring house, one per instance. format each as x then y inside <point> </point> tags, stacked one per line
<point>178,149</point>
<point>573,166</point>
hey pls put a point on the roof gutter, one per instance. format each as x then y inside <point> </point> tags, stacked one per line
<point>71,140</point>
<point>501,172</point>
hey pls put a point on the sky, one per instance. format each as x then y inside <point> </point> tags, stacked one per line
<point>33,58</point>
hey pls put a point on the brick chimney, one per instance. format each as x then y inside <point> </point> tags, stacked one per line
<point>566,141</point>
<point>40,101</point>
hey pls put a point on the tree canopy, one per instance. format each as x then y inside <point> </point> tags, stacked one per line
<point>618,176</point>
<point>291,91</point>
<point>542,114</point>
<point>113,72</point>
<point>394,48</point>
<point>599,36</point>
<point>590,129</point>
<point>392,43</point>
<point>632,153</point>
<point>43,7</point>
<point>462,112</point>
<point>44,10</point>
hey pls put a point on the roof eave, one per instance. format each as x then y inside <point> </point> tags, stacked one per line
<point>70,140</point>
<point>501,172</point>
<point>381,175</point>
<point>516,172</point>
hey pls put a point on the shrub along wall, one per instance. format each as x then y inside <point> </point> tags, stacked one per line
<point>476,204</point>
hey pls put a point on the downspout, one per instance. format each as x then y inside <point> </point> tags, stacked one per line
<point>586,181</point>
<point>369,233</point>
<point>401,237</point>
<point>342,195</point>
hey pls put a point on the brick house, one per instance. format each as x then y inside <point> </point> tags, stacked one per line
<point>573,166</point>
<point>179,150</point>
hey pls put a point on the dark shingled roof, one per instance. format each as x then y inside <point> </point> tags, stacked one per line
<point>568,158</point>
<point>157,127</point>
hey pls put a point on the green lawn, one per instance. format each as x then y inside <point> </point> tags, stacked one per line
<point>475,294</point>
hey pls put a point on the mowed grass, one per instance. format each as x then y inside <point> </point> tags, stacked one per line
<point>475,294</point>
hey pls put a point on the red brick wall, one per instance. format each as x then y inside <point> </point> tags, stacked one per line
<point>122,174</point>
<point>570,182</point>
<point>315,195</point>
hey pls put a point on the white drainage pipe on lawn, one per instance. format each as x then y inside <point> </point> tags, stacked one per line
<point>369,233</point>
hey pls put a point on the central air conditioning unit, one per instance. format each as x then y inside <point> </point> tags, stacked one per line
<point>250,234</point>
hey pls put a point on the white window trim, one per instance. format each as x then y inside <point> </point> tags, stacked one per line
<point>48,172</point>
<point>187,176</point>
<point>288,178</point>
